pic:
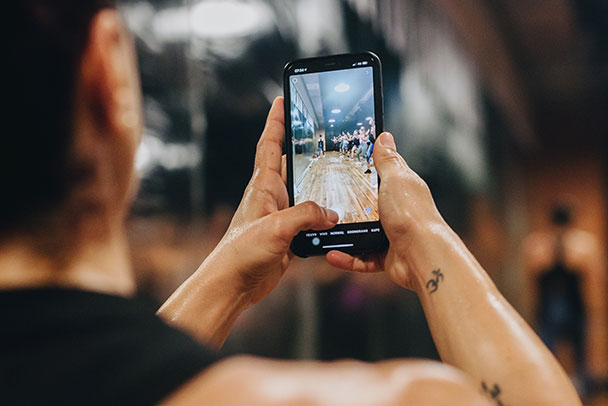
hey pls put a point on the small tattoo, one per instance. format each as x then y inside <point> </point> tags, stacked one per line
<point>494,392</point>
<point>433,284</point>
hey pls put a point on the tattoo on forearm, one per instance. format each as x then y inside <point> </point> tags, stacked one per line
<point>433,284</point>
<point>493,392</point>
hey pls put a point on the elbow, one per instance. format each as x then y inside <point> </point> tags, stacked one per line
<point>430,383</point>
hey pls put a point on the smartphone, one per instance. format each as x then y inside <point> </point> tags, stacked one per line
<point>333,114</point>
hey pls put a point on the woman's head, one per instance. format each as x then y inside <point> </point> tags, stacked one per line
<point>72,93</point>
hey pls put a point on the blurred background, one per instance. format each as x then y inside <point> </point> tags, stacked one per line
<point>500,105</point>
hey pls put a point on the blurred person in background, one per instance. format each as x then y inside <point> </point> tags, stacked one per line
<point>568,293</point>
<point>74,334</point>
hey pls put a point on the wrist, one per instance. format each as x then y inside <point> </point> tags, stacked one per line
<point>422,251</point>
<point>207,304</point>
<point>437,254</point>
<point>223,279</point>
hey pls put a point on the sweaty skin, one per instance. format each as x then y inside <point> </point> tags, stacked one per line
<point>474,327</point>
<point>255,381</point>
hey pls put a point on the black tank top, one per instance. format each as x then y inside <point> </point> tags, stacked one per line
<point>561,301</point>
<point>70,347</point>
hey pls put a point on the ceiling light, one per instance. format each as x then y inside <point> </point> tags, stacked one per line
<point>332,120</point>
<point>228,18</point>
<point>336,111</point>
<point>342,87</point>
<point>359,123</point>
<point>171,24</point>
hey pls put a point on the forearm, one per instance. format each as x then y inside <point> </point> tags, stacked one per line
<point>477,330</point>
<point>207,304</point>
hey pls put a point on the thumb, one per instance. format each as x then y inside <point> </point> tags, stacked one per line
<point>305,216</point>
<point>386,158</point>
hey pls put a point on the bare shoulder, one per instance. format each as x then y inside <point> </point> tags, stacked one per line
<point>423,382</point>
<point>582,243</point>
<point>537,249</point>
<point>256,381</point>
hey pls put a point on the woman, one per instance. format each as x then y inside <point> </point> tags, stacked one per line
<point>74,335</point>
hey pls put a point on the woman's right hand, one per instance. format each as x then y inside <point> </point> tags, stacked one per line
<point>408,215</point>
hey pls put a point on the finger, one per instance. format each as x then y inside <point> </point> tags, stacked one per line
<point>346,262</point>
<point>386,158</point>
<point>269,149</point>
<point>267,187</point>
<point>305,216</point>
<point>284,168</point>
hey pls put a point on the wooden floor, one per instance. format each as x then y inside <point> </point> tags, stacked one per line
<point>341,185</point>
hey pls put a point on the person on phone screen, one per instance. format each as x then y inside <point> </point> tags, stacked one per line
<point>321,146</point>
<point>371,140</point>
<point>344,145</point>
<point>363,139</point>
<point>72,331</point>
<point>355,144</point>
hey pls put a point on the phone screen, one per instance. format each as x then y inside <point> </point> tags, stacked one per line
<point>333,130</point>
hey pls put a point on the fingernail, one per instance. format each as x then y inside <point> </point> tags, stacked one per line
<point>387,140</point>
<point>332,215</point>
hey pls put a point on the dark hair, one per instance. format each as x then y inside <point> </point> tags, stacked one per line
<point>43,57</point>
<point>561,214</point>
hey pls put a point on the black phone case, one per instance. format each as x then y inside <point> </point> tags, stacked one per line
<point>362,243</point>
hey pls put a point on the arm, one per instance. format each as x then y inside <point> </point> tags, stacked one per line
<point>253,255</point>
<point>477,330</point>
<point>473,326</point>
<point>254,381</point>
<point>244,267</point>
